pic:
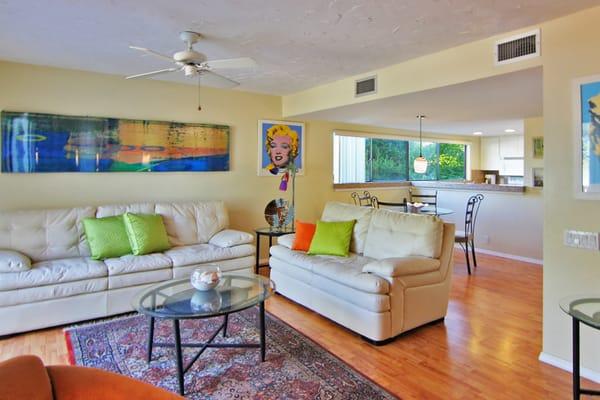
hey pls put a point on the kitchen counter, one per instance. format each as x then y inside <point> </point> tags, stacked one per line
<point>469,186</point>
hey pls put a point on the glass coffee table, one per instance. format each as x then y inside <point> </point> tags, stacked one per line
<point>178,299</point>
<point>586,310</point>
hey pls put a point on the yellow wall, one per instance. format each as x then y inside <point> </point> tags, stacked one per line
<point>567,55</point>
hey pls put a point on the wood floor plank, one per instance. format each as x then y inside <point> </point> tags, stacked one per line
<point>487,347</point>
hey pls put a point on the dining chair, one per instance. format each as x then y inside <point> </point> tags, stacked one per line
<point>430,199</point>
<point>467,238</point>
<point>363,200</point>
<point>376,204</point>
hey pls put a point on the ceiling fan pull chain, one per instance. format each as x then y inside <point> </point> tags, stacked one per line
<point>199,105</point>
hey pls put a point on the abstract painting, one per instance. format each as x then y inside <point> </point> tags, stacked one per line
<point>280,143</point>
<point>587,117</point>
<point>33,142</point>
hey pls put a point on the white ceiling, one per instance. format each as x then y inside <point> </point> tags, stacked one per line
<point>488,105</point>
<point>297,44</point>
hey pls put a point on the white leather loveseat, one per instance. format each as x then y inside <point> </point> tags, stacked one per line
<point>64,285</point>
<point>396,278</point>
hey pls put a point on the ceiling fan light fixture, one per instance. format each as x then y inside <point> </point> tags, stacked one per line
<point>190,70</point>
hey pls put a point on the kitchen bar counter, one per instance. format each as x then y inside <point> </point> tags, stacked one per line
<point>469,186</point>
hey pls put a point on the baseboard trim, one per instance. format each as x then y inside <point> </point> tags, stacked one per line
<point>568,366</point>
<point>506,255</point>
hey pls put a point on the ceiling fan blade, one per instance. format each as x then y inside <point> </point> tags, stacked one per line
<point>242,62</point>
<point>209,78</point>
<point>151,52</point>
<point>160,71</point>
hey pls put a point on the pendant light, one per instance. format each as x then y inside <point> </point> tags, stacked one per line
<point>420,164</point>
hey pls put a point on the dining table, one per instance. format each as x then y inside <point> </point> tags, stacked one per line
<point>432,210</point>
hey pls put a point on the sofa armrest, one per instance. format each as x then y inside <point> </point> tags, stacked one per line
<point>230,238</point>
<point>286,240</point>
<point>13,261</point>
<point>24,377</point>
<point>74,382</point>
<point>402,266</point>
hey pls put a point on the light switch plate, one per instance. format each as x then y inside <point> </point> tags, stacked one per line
<point>582,240</point>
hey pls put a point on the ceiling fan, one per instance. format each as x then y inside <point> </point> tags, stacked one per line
<point>194,63</point>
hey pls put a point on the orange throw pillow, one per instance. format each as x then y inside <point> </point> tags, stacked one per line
<point>304,234</point>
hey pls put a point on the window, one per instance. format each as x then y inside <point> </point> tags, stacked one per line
<point>361,159</point>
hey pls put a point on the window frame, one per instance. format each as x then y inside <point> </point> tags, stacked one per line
<point>368,135</point>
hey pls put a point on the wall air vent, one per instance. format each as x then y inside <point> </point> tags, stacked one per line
<point>516,48</point>
<point>365,86</point>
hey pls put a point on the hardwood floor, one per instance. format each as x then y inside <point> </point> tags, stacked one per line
<point>487,347</point>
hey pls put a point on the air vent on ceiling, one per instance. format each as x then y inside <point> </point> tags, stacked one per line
<point>365,86</point>
<point>517,48</point>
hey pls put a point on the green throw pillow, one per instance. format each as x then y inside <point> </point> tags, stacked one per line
<point>146,233</point>
<point>332,238</point>
<point>107,237</point>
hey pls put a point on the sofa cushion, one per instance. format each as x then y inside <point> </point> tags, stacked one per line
<point>46,234</point>
<point>107,237</point>
<point>287,240</point>
<point>203,253</point>
<point>120,209</point>
<point>394,234</point>
<point>335,211</point>
<point>393,267</point>
<point>230,238</point>
<point>53,272</point>
<point>344,270</point>
<point>146,233</point>
<point>51,292</point>
<point>332,238</point>
<point>139,278</point>
<point>193,222</point>
<point>130,264</point>
<point>305,231</point>
<point>13,261</point>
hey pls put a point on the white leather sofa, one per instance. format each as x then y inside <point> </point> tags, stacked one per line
<point>396,278</point>
<point>64,285</point>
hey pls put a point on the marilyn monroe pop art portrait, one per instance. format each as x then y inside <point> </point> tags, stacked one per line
<point>280,144</point>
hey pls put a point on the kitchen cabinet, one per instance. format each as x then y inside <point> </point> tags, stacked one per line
<point>504,154</point>
<point>512,146</point>
<point>490,153</point>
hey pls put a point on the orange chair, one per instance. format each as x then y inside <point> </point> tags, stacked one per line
<point>26,378</point>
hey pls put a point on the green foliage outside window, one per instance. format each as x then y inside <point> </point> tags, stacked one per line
<point>392,160</point>
<point>388,160</point>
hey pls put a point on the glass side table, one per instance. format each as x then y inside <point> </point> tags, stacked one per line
<point>271,233</point>
<point>586,310</point>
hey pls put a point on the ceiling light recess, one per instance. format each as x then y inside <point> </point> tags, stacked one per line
<point>509,130</point>
<point>478,133</point>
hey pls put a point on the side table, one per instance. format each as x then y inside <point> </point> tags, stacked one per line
<point>586,310</point>
<point>271,233</point>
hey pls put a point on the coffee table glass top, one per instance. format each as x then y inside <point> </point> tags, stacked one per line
<point>585,308</point>
<point>178,299</point>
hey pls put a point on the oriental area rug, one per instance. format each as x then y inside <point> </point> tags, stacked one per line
<point>295,366</point>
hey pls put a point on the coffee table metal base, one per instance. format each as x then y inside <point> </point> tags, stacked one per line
<point>181,369</point>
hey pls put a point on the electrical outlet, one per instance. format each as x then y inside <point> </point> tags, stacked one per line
<point>582,240</point>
